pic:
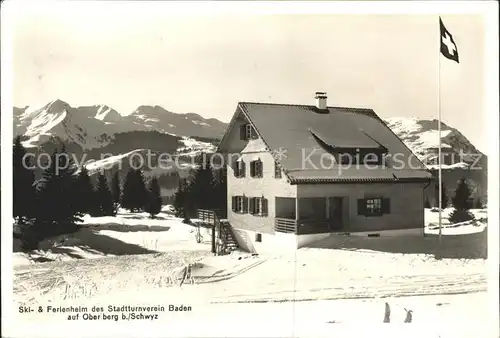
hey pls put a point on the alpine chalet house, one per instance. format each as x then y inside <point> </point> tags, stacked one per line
<point>298,173</point>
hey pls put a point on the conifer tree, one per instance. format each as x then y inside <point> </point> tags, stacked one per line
<point>57,210</point>
<point>24,196</point>
<point>103,197</point>
<point>85,195</point>
<point>153,207</point>
<point>23,201</point>
<point>134,195</point>
<point>181,201</point>
<point>116,191</point>
<point>202,190</point>
<point>461,203</point>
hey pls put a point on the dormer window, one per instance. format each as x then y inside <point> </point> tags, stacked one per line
<point>247,132</point>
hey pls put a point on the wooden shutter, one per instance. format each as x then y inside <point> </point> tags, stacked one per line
<point>245,205</point>
<point>386,205</point>
<point>233,203</point>
<point>243,132</point>
<point>251,202</point>
<point>261,168</point>
<point>236,168</point>
<point>361,206</point>
<point>243,170</point>
<point>264,206</point>
<point>252,169</point>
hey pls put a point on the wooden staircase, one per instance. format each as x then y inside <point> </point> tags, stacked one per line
<point>224,242</point>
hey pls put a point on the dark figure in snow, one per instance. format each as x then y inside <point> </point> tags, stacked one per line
<point>408,316</point>
<point>387,315</point>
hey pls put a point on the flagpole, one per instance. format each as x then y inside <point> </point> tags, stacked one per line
<point>439,143</point>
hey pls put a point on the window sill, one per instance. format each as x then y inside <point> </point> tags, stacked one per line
<point>374,215</point>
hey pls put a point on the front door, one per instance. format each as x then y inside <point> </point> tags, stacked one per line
<point>335,213</point>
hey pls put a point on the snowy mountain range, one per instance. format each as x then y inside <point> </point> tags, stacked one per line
<point>95,126</point>
<point>421,136</point>
<point>100,128</point>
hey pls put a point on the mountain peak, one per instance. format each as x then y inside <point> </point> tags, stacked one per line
<point>57,105</point>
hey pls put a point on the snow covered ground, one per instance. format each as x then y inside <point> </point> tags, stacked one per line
<point>324,290</point>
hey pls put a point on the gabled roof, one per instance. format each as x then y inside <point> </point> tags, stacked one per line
<point>306,135</point>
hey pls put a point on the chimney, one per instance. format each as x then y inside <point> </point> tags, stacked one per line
<point>321,100</point>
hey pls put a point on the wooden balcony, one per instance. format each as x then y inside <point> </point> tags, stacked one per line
<point>302,227</point>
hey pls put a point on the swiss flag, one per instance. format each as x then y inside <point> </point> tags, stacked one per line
<point>448,46</point>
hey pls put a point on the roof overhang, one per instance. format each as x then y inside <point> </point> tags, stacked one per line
<point>322,180</point>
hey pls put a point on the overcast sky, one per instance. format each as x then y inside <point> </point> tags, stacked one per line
<point>129,56</point>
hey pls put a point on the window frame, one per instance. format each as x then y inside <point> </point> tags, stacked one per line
<point>374,206</point>
<point>239,169</point>
<point>253,169</point>
<point>250,133</point>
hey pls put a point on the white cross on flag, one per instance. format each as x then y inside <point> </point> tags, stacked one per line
<point>448,46</point>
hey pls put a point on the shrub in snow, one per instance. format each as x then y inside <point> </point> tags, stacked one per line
<point>461,203</point>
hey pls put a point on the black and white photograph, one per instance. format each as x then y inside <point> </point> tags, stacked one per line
<point>249,169</point>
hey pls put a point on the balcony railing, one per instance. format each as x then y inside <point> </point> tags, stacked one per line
<point>286,225</point>
<point>302,227</point>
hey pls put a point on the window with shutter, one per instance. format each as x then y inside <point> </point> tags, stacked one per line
<point>249,133</point>
<point>370,207</point>
<point>256,168</point>
<point>239,169</point>
<point>239,202</point>
<point>259,168</point>
<point>233,203</point>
